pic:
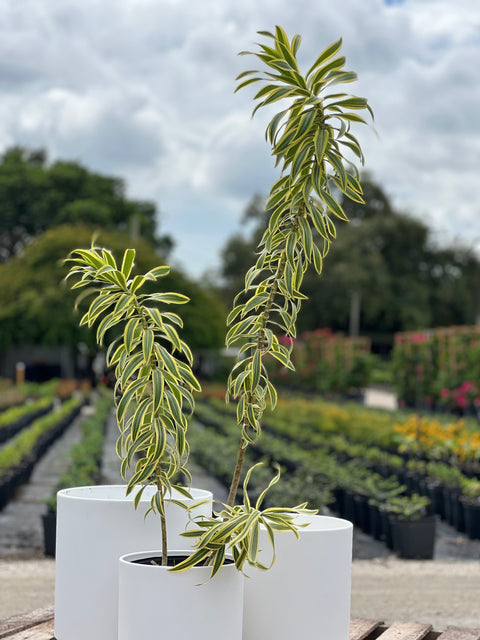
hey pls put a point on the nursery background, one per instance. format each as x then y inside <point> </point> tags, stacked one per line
<point>118,121</point>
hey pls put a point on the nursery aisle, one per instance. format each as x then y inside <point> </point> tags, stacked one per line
<point>20,521</point>
<point>443,591</point>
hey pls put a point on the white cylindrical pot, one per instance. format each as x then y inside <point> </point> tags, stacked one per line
<point>156,603</point>
<point>306,594</point>
<point>95,526</point>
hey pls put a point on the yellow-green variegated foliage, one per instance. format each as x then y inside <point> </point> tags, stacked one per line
<point>312,142</point>
<point>154,380</point>
<point>236,531</point>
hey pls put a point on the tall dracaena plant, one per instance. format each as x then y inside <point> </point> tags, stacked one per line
<point>152,385</point>
<point>309,139</point>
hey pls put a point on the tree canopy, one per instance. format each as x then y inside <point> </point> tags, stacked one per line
<point>36,307</point>
<point>36,196</point>
<point>383,266</point>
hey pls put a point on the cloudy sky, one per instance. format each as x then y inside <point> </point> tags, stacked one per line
<point>143,89</point>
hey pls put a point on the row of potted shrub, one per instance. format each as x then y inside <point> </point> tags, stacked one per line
<point>15,418</point>
<point>453,494</point>
<point>19,455</point>
<point>15,395</point>
<point>377,436</point>
<point>84,467</point>
<point>378,505</point>
<point>326,362</point>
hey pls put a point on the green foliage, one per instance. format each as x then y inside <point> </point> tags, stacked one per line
<point>382,490</point>
<point>86,455</point>
<point>408,507</point>
<point>380,250</point>
<point>154,381</point>
<point>327,362</point>
<point>35,196</point>
<point>22,445</point>
<point>313,459</point>
<point>236,530</point>
<point>447,474</point>
<point>23,411</point>
<point>438,367</point>
<point>471,490</point>
<point>308,140</point>
<point>31,288</point>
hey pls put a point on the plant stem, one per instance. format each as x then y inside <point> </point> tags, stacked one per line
<point>163,522</point>
<point>260,341</point>
<point>236,474</point>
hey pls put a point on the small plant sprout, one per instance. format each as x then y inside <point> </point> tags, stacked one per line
<point>153,385</point>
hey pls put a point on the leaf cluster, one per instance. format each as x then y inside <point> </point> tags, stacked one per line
<point>309,139</point>
<point>154,380</point>
<point>410,507</point>
<point>235,531</point>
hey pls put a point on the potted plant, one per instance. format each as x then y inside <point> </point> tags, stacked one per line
<point>380,491</point>
<point>308,140</point>
<point>450,478</point>
<point>470,499</point>
<point>413,529</point>
<point>97,524</point>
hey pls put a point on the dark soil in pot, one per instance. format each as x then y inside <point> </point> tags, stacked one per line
<point>172,561</point>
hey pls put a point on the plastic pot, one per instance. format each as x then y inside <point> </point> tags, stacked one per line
<point>472,519</point>
<point>414,539</point>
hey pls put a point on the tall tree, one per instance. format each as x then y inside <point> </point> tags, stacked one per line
<point>383,273</point>
<point>35,196</point>
<point>36,309</point>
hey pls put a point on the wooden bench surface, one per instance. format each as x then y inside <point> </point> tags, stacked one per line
<point>38,625</point>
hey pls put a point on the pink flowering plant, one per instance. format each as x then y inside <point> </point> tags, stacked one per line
<point>439,368</point>
<point>326,361</point>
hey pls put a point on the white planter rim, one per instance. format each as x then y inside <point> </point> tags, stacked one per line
<point>130,558</point>
<point>321,523</point>
<point>116,493</point>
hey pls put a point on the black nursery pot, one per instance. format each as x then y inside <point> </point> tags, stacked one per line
<point>349,507</point>
<point>362,514</point>
<point>339,496</point>
<point>414,539</point>
<point>387,535</point>
<point>49,521</point>
<point>458,514</point>
<point>435,494</point>
<point>472,519</point>
<point>451,495</point>
<point>376,528</point>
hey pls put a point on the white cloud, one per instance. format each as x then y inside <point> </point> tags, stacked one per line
<point>144,89</point>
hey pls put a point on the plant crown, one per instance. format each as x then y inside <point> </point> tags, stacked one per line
<point>153,385</point>
<point>308,139</point>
